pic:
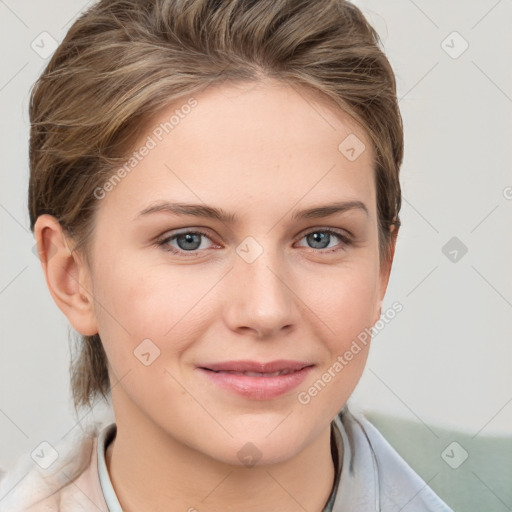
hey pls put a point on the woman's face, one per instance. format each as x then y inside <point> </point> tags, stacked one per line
<point>179,292</point>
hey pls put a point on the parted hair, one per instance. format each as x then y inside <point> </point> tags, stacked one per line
<point>122,61</point>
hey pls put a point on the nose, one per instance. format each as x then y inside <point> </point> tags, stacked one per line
<point>261,301</point>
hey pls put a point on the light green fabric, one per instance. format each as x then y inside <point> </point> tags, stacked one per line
<point>482,482</point>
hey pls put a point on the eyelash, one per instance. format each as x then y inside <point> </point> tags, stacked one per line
<point>345,241</point>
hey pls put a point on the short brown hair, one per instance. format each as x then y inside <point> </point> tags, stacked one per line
<point>124,60</point>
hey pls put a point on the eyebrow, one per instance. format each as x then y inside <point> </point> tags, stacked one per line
<point>202,210</point>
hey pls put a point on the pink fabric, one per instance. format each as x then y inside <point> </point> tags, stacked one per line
<point>70,484</point>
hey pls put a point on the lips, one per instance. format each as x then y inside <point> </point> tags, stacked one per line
<point>257,380</point>
<point>257,369</point>
<point>259,374</point>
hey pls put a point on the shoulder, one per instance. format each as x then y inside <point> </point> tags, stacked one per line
<point>32,487</point>
<point>398,486</point>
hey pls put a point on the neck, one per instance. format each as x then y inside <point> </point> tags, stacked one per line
<point>151,471</point>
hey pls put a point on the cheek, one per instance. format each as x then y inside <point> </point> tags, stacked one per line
<point>344,300</point>
<point>160,304</point>
<point>345,307</point>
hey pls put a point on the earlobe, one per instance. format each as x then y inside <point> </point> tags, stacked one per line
<point>66,275</point>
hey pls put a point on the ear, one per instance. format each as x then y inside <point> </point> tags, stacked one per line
<point>385,270</point>
<point>67,276</point>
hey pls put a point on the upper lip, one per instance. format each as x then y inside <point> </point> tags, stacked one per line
<point>255,366</point>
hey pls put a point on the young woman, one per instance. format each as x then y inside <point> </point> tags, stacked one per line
<point>215,196</point>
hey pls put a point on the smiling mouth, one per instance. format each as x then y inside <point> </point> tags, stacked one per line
<point>255,374</point>
<point>256,380</point>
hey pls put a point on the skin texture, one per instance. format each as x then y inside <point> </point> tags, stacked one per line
<point>261,151</point>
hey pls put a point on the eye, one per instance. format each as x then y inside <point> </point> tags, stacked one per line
<point>186,242</point>
<point>190,243</point>
<point>321,239</point>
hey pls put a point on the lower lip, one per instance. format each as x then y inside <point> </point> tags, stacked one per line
<point>258,388</point>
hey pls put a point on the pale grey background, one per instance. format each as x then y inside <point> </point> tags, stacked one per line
<point>446,359</point>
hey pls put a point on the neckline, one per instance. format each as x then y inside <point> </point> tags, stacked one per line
<point>106,436</point>
<point>339,454</point>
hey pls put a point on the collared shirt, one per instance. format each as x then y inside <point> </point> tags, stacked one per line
<point>370,476</point>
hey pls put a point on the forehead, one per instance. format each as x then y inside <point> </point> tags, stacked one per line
<point>267,114</point>
<point>257,143</point>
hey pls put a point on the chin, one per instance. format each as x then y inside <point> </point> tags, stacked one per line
<point>261,449</point>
